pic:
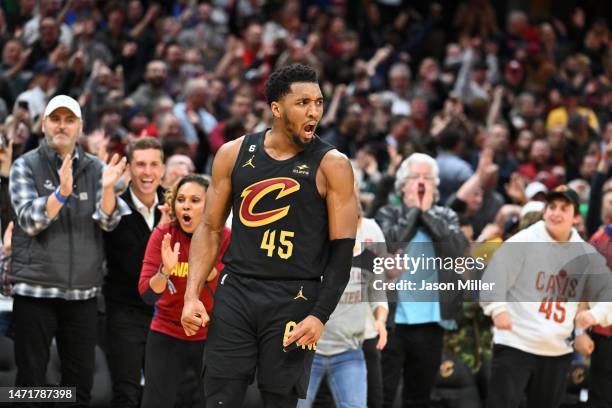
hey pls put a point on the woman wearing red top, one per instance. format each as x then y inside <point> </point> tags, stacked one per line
<point>173,360</point>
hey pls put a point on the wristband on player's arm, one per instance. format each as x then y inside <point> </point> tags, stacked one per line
<point>335,277</point>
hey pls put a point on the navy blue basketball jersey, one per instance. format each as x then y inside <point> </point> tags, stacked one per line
<point>279,224</point>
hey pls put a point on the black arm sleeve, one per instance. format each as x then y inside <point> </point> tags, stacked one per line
<point>335,278</point>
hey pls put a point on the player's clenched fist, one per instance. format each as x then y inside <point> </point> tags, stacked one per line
<point>194,316</point>
<point>503,321</point>
<point>308,331</point>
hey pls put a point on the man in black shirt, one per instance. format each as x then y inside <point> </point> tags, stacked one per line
<point>127,316</point>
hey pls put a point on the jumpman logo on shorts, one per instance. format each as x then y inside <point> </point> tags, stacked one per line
<point>249,162</point>
<point>300,295</point>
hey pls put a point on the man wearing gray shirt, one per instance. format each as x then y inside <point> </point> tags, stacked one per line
<point>339,353</point>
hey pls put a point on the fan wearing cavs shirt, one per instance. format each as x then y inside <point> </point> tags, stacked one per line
<point>173,358</point>
<point>540,275</point>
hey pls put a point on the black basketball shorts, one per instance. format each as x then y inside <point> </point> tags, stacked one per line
<point>249,321</point>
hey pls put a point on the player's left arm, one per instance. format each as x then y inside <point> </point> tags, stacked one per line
<point>342,218</point>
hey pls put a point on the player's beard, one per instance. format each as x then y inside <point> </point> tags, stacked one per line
<point>300,143</point>
<point>296,138</point>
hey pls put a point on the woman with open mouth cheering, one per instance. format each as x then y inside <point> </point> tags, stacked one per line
<point>173,361</point>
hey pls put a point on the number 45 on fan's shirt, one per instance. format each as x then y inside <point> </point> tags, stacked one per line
<point>557,288</point>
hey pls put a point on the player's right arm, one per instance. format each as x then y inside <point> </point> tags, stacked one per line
<point>206,239</point>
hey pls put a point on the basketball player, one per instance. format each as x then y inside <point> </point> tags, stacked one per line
<point>293,232</point>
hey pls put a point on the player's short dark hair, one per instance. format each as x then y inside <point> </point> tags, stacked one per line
<point>144,143</point>
<point>279,83</point>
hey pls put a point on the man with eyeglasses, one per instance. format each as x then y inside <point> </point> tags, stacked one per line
<point>417,320</point>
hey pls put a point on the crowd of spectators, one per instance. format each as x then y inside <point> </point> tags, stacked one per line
<point>509,105</point>
<point>534,91</point>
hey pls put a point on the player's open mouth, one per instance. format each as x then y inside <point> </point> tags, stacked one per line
<point>186,219</point>
<point>309,130</point>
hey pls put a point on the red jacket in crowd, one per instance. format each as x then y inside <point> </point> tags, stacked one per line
<point>168,308</point>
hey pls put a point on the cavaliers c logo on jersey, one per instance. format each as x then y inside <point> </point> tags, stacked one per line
<point>256,191</point>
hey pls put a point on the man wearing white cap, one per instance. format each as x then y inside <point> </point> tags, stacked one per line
<point>63,199</point>
<point>536,191</point>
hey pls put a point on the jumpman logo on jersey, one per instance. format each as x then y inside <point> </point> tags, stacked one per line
<point>249,162</point>
<point>300,295</point>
